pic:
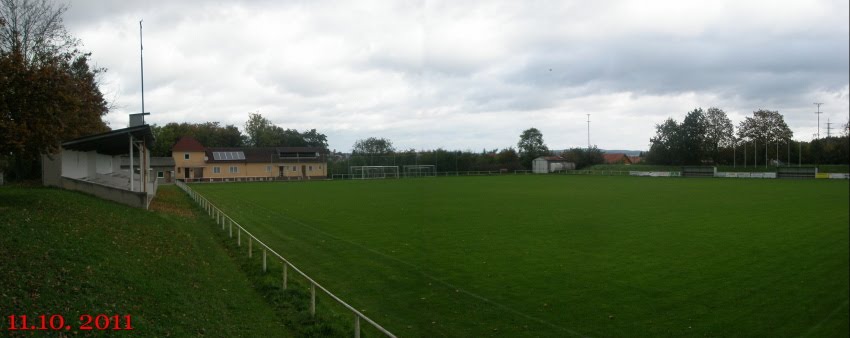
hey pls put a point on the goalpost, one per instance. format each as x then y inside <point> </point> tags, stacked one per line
<point>420,170</point>
<point>373,171</point>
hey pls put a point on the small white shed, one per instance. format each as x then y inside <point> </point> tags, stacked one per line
<point>549,164</point>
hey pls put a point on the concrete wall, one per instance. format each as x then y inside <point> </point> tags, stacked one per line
<point>51,170</point>
<point>78,164</point>
<point>133,199</point>
<point>104,163</point>
<point>74,164</point>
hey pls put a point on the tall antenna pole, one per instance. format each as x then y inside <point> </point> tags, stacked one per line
<point>818,112</point>
<point>142,63</point>
<point>588,131</point>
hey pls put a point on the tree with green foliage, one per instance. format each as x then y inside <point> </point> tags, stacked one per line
<point>48,90</point>
<point>692,137</point>
<point>765,126</point>
<point>210,134</point>
<point>584,157</point>
<point>531,146</point>
<point>508,159</point>
<point>665,145</point>
<point>719,132</point>
<point>313,138</point>
<point>373,146</point>
<point>261,132</point>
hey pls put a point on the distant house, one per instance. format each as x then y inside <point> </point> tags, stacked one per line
<point>620,158</point>
<point>193,161</point>
<point>548,164</point>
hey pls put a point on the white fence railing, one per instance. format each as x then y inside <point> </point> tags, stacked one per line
<point>224,220</point>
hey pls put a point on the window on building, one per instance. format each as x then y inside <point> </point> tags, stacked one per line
<point>268,168</point>
<point>310,168</point>
<point>293,168</point>
<point>320,167</point>
<point>234,170</point>
<point>178,170</point>
<point>186,156</point>
<point>160,174</point>
<point>216,170</point>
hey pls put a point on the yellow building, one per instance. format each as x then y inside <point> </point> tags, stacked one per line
<point>193,161</point>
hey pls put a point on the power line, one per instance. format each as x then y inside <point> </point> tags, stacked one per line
<point>818,112</point>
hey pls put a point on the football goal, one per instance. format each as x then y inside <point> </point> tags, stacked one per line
<point>373,171</point>
<point>422,170</point>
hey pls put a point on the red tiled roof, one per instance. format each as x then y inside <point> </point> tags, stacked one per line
<point>188,143</point>
<point>634,159</point>
<point>554,158</point>
<point>614,158</point>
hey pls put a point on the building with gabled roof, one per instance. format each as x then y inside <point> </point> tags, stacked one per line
<point>194,162</point>
<point>549,164</point>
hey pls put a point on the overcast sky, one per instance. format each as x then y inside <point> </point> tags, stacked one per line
<point>471,74</point>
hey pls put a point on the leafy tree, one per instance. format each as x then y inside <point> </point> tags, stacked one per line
<point>765,126</point>
<point>210,134</point>
<point>261,132</point>
<point>48,91</point>
<point>531,146</point>
<point>373,146</point>
<point>508,159</point>
<point>584,157</point>
<point>313,138</point>
<point>34,28</point>
<point>692,137</point>
<point>665,146</point>
<point>719,132</point>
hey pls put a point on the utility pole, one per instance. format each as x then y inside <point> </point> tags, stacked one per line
<point>828,128</point>
<point>588,131</point>
<point>818,113</point>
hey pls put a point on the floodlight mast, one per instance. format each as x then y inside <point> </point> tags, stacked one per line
<point>142,64</point>
<point>818,113</point>
<point>588,131</point>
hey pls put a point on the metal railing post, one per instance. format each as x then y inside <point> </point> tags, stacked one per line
<point>312,299</point>
<point>356,326</point>
<point>285,265</point>
<point>221,217</point>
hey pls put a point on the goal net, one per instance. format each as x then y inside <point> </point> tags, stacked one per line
<point>373,171</point>
<point>422,170</point>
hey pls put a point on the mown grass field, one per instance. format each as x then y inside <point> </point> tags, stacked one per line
<point>71,254</point>
<point>823,168</point>
<point>566,255</point>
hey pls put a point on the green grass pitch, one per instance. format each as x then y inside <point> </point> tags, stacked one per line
<point>566,255</point>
